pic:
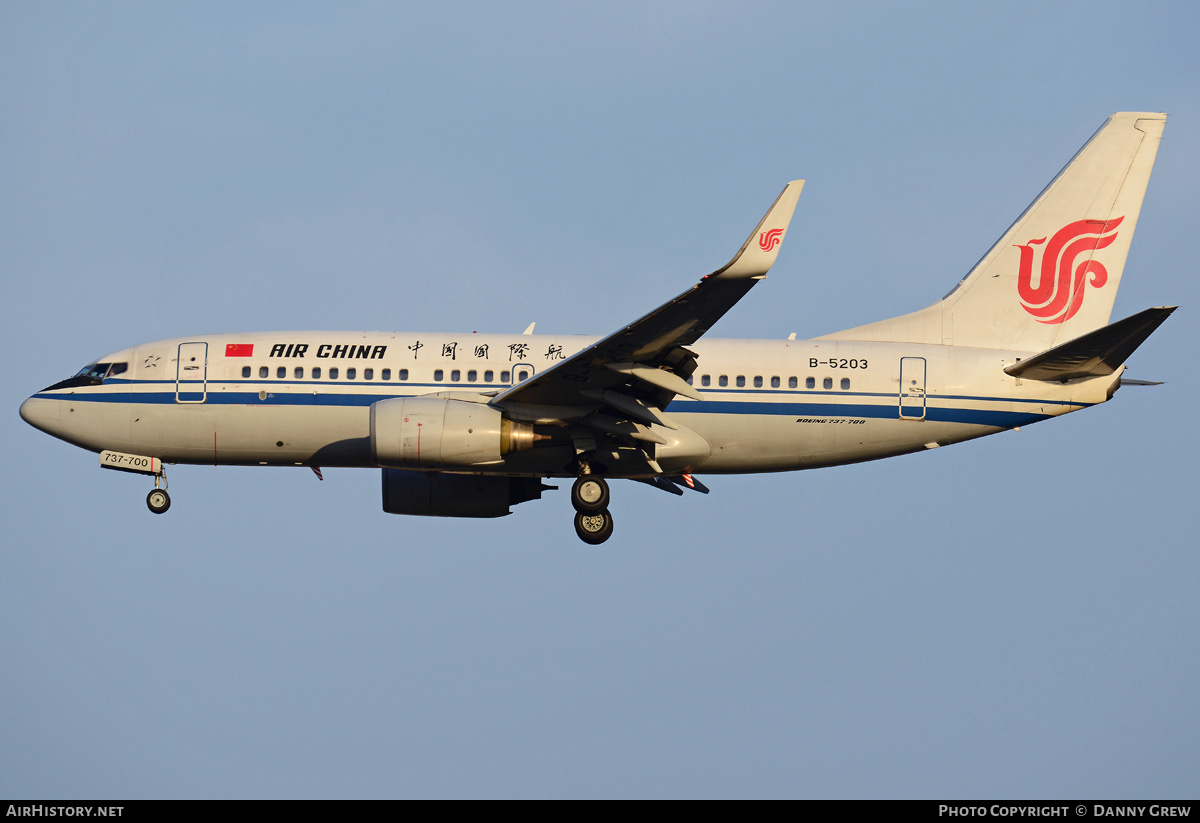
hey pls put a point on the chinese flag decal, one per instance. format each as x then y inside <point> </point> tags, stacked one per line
<point>239,349</point>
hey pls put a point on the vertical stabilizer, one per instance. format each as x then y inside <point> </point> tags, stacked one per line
<point>1054,274</point>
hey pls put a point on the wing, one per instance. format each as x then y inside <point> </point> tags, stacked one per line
<point>622,383</point>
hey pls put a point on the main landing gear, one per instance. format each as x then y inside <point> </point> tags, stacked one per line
<point>590,497</point>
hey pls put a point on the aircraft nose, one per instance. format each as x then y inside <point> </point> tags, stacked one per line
<point>41,413</point>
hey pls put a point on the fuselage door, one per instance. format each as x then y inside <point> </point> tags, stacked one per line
<point>912,388</point>
<point>522,372</point>
<point>192,373</point>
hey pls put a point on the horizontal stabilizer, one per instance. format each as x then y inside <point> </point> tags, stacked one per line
<point>1096,353</point>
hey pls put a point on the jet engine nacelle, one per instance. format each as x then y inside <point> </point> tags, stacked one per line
<point>436,432</point>
<point>455,495</point>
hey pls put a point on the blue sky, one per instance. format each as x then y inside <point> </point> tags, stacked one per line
<point>1012,617</point>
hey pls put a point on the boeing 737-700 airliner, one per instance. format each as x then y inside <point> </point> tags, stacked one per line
<point>468,425</point>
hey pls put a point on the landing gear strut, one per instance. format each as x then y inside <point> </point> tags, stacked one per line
<point>590,498</point>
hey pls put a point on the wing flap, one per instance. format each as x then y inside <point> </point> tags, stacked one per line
<point>661,378</point>
<point>631,406</point>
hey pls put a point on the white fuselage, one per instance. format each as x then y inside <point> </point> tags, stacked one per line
<point>304,398</point>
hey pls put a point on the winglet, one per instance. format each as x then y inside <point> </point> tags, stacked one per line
<point>758,253</point>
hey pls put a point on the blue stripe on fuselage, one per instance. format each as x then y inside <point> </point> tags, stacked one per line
<point>1003,419</point>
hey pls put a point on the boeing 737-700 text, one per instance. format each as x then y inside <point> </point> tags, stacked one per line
<point>468,425</point>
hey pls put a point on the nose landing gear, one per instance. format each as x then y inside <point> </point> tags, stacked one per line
<point>158,500</point>
<point>590,498</point>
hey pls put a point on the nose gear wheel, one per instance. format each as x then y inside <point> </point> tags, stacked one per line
<point>158,501</point>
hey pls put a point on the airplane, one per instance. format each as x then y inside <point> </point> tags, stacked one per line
<point>469,425</point>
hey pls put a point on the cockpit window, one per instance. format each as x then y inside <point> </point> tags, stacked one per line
<point>96,371</point>
<point>91,375</point>
<point>99,371</point>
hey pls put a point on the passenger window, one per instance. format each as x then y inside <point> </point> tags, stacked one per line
<point>333,372</point>
<point>245,371</point>
<point>299,372</point>
<point>810,383</point>
<point>263,371</point>
<point>404,374</point>
<point>828,383</point>
<point>472,376</point>
<point>504,376</point>
<point>723,380</point>
<point>455,376</point>
<point>774,382</point>
<point>438,374</point>
<point>488,375</point>
<point>351,373</point>
<point>316,372</point>
<point>845,382</point>
<point>741,381</point>
<point>793,382</point>
<point>757,382</point>
<point>368,374</point>
<point>386,374</point>
<point>281,372</point>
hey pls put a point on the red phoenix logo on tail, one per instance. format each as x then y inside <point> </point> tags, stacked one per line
<point>1061,284</point>
<point>770,239</point>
